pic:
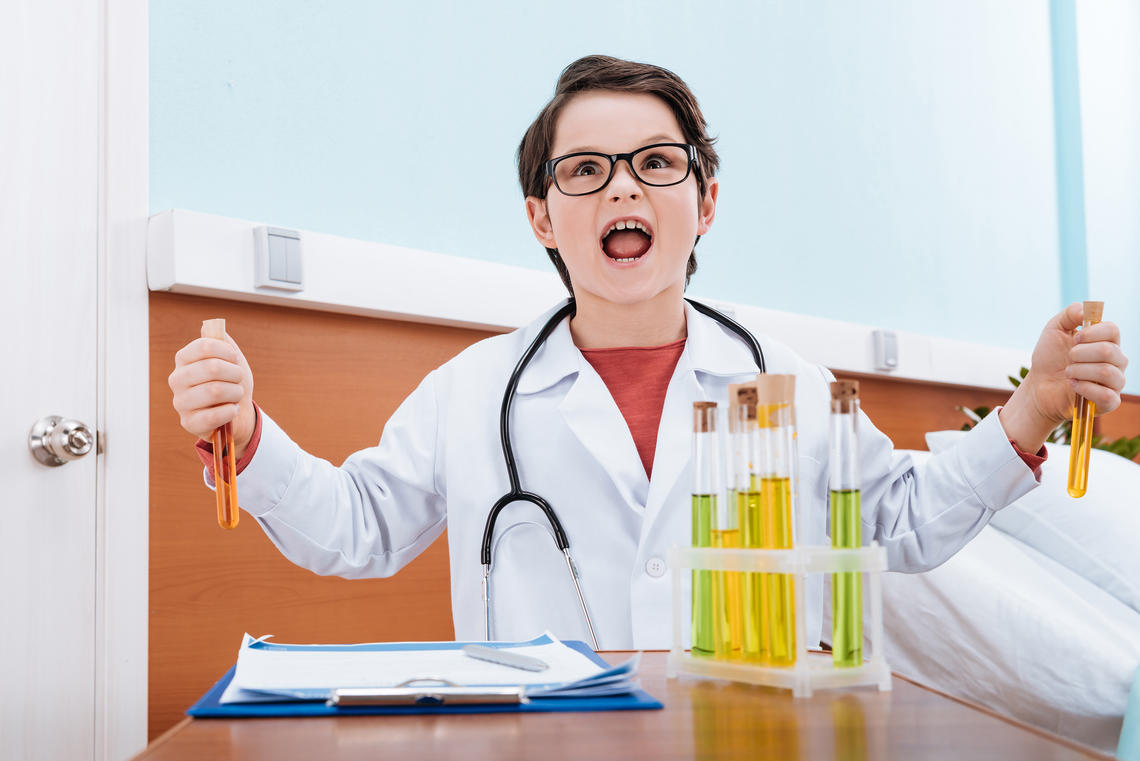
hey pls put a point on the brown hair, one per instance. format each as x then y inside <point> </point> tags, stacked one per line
<point>599,72</point>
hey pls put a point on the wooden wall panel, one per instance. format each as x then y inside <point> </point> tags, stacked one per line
<point>331,381</point>
<point>905,409</point>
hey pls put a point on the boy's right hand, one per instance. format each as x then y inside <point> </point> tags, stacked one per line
<point>212,386</point>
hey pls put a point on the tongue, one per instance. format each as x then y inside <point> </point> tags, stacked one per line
<point>625,244</point>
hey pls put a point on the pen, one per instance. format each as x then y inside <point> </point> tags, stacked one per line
<point>505,658</point>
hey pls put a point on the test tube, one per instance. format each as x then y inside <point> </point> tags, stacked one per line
<point>846,526</point>
<point>1080,440</point>
<point>225,469</point>
<point>725,535</point>
<point>705,466</point>
<point>775,466</point>
<point>746,493</point>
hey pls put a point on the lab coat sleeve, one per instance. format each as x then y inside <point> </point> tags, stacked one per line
<point>369,517</point>
<point>923,515</point>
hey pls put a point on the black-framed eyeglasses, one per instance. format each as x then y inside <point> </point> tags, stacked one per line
<point>585,172</point>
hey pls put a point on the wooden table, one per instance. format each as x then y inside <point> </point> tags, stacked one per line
<point>702,719</point>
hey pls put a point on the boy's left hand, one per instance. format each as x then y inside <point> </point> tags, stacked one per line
<point>1066,362</point>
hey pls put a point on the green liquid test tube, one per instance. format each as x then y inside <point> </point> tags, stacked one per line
<point>846,525</point>
<point>705,486</point>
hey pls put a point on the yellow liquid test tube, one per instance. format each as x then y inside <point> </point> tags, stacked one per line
<point>746,490</point>
<point>780,614</point>
<point>225,469</point>
<point>754,645</point>
<point>1080,440</point>
<point>726,599</point>
<point>776,465</point>
<point>765,421</point>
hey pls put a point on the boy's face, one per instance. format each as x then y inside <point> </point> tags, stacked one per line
<point>622,268</point>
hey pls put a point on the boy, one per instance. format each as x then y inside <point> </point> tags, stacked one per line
<point>620,181</point>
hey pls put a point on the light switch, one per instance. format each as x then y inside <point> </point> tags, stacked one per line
<point>885,350</point>
<point>277,259</point>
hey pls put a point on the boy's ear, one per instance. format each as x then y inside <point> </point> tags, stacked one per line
<point>539,218</point>
<point>706,209</point>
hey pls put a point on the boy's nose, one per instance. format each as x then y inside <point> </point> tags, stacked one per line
<point>623,184</point>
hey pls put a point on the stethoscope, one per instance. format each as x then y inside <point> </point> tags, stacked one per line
<point>516,494</point>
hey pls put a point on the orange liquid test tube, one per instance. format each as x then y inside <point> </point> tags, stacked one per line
<point>225,467</point>
<point>1080,440</point>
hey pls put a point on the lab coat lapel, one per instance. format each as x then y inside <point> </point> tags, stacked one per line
<point>674,436</point>
<point>710,351</point>
<point>592,414</point>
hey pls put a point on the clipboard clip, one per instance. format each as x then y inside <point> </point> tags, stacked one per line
<point>426,691</point>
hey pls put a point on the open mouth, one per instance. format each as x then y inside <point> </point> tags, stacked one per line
<point>626,241</point>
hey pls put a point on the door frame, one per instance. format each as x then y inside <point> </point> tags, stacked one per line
<point>122,473</point>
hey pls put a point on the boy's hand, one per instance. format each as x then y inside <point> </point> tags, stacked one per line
<point>212,386</point>
<point>1066,363</point>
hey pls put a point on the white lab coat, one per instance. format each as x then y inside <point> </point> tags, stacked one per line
<point>439,463</point>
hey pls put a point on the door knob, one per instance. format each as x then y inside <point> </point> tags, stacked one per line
<point>57,441</point>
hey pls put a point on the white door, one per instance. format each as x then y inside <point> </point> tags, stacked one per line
<point>50,134</point>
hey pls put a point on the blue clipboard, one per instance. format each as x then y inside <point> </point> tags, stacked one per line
<point>208,706</point>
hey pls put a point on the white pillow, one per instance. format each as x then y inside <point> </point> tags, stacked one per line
<point>1096,536</point>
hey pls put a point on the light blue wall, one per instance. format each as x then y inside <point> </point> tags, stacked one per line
<point>883,162</point>
<point>1108,35</point>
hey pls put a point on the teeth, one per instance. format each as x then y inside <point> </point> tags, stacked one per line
<point>627,224</point>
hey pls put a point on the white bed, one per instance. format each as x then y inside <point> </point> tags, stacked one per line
<point>1037,617</point>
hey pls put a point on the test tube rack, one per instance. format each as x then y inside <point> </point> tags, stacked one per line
<point>811,671</point>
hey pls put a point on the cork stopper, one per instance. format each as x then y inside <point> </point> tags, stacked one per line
<point>704,417</point>
<point>844,395</point>
<point>1094,310</point>
<point>742,401</point>
<point>214,329</point>
<point>775,389</point>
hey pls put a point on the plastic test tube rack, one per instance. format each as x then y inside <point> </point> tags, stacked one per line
<point>811,671</point>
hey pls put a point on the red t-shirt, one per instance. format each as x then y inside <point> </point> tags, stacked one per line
<point>638,377</point>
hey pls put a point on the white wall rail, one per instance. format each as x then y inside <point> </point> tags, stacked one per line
<point>206,255</point>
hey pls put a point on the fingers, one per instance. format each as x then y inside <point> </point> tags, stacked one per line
<point>203,348</point>
<point>1102,331</point>
<point>204,407</point>
<point>203,422</point>
<point>1102,373</point>
<point>204,371</point>
<point>1101,351</point>
<point>1105,399</point>
<point>208,385</point>
<point>1070,318</point>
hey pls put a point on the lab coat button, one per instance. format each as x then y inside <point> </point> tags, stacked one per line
<point>655,567</point>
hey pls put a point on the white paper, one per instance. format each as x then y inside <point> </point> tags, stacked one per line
<point>310,672</point>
